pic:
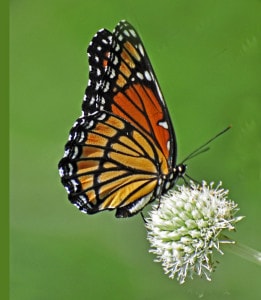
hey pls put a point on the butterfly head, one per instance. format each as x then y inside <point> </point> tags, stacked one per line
<point>180,170</point>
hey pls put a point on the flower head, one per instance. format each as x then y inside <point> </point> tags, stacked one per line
<point>187,226</point>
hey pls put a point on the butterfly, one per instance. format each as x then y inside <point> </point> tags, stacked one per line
<point>121,152</point>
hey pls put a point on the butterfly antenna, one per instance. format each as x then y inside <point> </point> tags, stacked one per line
<point>194,153</point>
<point>203,147</point>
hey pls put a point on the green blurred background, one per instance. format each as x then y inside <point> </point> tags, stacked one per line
<point>207,57</point>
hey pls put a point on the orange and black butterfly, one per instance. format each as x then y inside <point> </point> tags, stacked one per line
<point>121,152</point>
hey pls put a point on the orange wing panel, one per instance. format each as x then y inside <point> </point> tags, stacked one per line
<point>124,187</point>
<point>139,106</point>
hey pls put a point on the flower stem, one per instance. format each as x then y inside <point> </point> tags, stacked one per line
<point>243,251</point>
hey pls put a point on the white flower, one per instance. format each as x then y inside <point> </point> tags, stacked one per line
<point>187,226</point>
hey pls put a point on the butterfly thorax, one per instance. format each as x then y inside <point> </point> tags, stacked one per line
<point>176,173</point>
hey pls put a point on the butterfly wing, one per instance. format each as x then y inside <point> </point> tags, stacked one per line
<point>122,150</point>
<point>127,85</point>
<point>110,164</point>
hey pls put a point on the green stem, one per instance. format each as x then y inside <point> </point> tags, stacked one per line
<point>243,251</point>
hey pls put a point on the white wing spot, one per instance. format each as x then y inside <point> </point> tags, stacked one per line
<point>70,172</point>
<point>133,33</point>
<point>167,185</point>
<point>83,199</point>
<point>66,152</point>
<point>116,60</point>
<point>102,100</point>
<point>101,117</point>
<point>164,124</point>
<point>106,88</point>
<point>141,49</point>
<point>147,75</point>
<point>61,172</point>
<point>71,137</point>
<point>76,123</point>
<point>82,121</point>
<point>75,153</point>
<point>168,145</point>
<point>82,137</point>
<point>117,47</point>
<point>90,124</point>
<point>126,32</point>
<point>159,92</point>
<point>97,86</point>
<point>140,75</point>
<point>112,75</point>
<point>91,102</point>
<point>75,184</point>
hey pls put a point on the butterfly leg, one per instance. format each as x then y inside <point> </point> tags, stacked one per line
<point>143,218</point>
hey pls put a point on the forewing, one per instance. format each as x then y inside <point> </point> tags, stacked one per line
<point>126,85</point>
<point>109,164</point>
